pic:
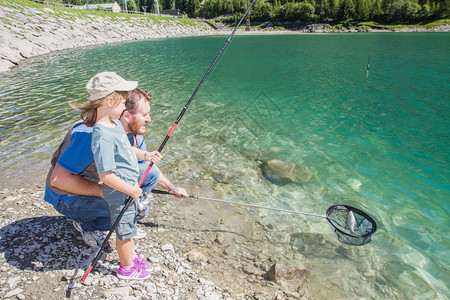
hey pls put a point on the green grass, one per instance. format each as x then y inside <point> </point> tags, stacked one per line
<point>375,25</point>
<point>70,14</point>
<point>435,23</point>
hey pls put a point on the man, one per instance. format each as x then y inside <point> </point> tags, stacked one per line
<point>72,184</point>
<point>134,119</point>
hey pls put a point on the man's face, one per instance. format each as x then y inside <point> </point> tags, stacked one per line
<point>140,118</point>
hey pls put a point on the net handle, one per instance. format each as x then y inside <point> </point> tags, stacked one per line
<point>247,204</point>
<point>330,221</point>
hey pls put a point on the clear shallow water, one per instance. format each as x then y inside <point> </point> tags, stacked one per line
<point>380,143</point>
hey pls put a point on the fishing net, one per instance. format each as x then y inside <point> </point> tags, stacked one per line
<point>351,225</point>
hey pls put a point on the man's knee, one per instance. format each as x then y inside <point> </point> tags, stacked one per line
<point>152,177</point>
<point>154,172</point>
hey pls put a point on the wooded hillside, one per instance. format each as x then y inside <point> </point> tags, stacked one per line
<point>382,11</point>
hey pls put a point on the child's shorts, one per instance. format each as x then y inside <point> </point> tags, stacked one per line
<point>128,224</point>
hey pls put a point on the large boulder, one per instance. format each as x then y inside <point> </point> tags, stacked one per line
<point>297,281</point>
<point>279,171</point>
<point>318,28</point>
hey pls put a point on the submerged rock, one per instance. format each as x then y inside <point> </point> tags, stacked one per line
<point>292,279</point>
<point>279,171</point>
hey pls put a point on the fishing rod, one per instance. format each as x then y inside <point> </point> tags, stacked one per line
<point>129,200</point>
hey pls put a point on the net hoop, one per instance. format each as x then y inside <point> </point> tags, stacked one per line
<point>340,227</point>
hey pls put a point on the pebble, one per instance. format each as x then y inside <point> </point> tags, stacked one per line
<point>119,291</point>
<point>21,296</point>
<point>13,293</point>
<point>167,247</point>
<point>44,257</point>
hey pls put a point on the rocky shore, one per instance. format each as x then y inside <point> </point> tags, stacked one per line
<point>196,252</point>
<point>28,32</point>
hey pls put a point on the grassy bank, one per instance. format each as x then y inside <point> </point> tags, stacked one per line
<point>375,25</point>
<point>72,14</point>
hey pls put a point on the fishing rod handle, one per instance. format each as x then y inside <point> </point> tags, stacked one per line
<point>129,200</point>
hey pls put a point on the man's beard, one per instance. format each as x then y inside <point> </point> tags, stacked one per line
<point>135,128</point>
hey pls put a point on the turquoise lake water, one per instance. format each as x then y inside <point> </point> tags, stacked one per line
<point>379,141</point>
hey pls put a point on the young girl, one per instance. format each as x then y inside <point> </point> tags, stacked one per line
<point>116,164</point>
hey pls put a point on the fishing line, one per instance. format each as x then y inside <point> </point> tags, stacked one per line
<point>351,225</point>
<point>129,200</point>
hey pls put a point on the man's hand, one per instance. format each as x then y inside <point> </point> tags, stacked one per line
<point>179,192</point>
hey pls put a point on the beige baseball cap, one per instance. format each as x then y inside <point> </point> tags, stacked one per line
<point>105,83</point>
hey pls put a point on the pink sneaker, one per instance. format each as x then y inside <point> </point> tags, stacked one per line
<point>134,273</point>
<point>141,263</point>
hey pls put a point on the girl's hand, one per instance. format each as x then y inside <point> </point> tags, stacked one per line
<point>137,192</point>
<point>152,157</point>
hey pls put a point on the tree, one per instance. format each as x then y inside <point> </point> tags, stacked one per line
<point>332,9</point>
<point>262,11</point>
<point>393,10</point>
<point>346,10</point>
<point>210,9</point>
<point>295,12</point>
<point>321,8</point>
<point>305,12</point>
<point>441,8</point>
<point>227,7</point>
<point>362,10</point>
<point>376,11</point>
<point>425,10</point>
<point>132,6</point>
<point>181,5</point>
<point>167,4</point>
<point>409,11</point>
<point>239,6</point>
<point>193,8</point>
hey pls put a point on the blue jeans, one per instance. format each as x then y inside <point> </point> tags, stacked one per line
<point>93,212</point>
<point>152,177</point>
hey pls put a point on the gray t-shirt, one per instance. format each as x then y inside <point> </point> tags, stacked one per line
<point>112,152</point>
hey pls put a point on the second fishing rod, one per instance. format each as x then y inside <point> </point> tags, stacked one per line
<point>129,200</point>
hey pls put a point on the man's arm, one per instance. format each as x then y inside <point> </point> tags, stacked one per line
<point>74,184</point>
